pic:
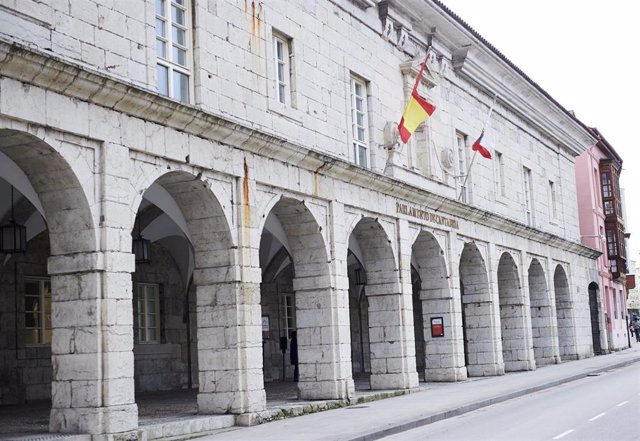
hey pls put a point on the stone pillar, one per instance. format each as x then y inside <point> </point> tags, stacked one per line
<point>444,355</point>
<point>338,246</point>
<point>92,343</point>
<point>515,322</point>
<point>387,340</point>
<point>229,317</point>
<point>229,346</point>
<point>318,348</point>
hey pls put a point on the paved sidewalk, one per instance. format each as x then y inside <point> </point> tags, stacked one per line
<point>434,402</point>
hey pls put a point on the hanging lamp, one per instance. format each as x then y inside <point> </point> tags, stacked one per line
<point>141,247</point>
<point>13,236</point>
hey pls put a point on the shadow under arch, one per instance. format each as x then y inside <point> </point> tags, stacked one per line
<point>358,316</point>
<point>594,312</point>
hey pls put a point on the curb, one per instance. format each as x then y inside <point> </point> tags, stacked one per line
<point>403,427</point>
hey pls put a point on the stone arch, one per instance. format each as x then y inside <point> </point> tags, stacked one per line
<point>432,298</point>
<point>480,336</point>
<point>189,222</point>
<point>594,310</point>
<point>516,340</point>
<point>564,313</point>
<point>82,280</point>
<point>388,340</point>
<point>62,197</point>
<point>543,328</point>
<point>315,306</point>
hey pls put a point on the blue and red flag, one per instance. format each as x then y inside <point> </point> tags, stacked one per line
<point>478,147</point>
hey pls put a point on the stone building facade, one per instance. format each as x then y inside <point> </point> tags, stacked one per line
<point>251,146</point>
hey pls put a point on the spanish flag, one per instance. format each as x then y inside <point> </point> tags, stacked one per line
<point>418,109</point>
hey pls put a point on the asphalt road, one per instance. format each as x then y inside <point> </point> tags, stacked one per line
<point>605,407</point>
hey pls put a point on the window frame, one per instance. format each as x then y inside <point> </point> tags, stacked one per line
<point>462,150</point>
<point>360,147</point>
<point>288,313</point>
<point>527,195</point>
<point>501,189</point>
<point>142,334</point>
<point>165,61</point>
<point>43,331</point>
<point>553,200</point>
<point>284,97</point>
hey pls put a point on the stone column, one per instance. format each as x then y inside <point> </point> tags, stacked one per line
<point>388,342</point>
<point>92,343</point>
<point>318,349</point>
<point>339,279</point>
<point>444,355</point>
<point>229,346</point>
<point>228,317</point>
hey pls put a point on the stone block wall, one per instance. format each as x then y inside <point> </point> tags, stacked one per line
<point>164,365</point>
<point>331,41</point>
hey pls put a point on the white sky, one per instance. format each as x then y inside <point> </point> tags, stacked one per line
<point>585,54</point>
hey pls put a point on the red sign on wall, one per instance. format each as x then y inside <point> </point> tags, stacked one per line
<point>437,327</point>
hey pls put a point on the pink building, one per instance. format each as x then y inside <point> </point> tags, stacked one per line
<point>602,228</point>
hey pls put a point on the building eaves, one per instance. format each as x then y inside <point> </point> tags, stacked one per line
<point>520,72</point>
<point>604,144</point>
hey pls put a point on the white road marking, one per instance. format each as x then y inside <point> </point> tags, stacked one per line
<point>598,416</point>
<point>621,404</point>
<point>563,434</point>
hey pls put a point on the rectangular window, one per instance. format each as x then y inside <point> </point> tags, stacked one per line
<point>615,303</point>
<point>612,244</point>
<point>359,122</point>
<point>500,182</point>
<point>461,145</point>
<point>37,311</point>
<point>288,314</point>
<point>173,49</point>
<point>608,207</point>
<point>528,196</point>
<point>283,73</point>
<point>605,178</point>
<point>552,200</point>
<point>147,300</point>
<point>598,194</point>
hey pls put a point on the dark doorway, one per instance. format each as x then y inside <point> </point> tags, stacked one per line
<point>418,324</point>
<point>595,318</point>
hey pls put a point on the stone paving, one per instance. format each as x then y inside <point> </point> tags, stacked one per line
<point>32,420</point>
<point>173,415</point>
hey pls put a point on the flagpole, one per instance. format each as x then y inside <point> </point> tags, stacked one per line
<point>475,152</point>
<point>418,78</point>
